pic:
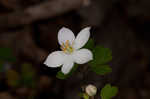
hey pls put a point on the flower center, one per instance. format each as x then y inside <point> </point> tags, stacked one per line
<point>67,47</point>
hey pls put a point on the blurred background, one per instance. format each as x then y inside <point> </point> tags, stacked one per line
<point>28,33</point>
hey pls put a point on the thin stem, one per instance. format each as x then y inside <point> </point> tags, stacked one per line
<point>92,97</point>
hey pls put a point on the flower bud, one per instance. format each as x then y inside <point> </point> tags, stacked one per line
<point>91,90</point>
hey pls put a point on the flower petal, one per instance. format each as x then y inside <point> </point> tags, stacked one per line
<point>65,34</point>
<point>82,38</point>
<point>55,59</point>
<point>67,66</point>
<point>82,56</point>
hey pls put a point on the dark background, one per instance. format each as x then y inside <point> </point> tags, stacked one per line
<point>30,27</point>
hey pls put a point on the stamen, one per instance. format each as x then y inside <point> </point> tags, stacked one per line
<point>66,47</point>
<point>67,43</point>
<point>63,47</point>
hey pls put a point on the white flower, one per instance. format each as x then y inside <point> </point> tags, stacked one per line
<point>71,52</point>
<point>91,90</point>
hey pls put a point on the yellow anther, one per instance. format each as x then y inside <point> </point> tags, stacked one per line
<point>67,44</point>
<point>63,47</point>
<point>66,47</point>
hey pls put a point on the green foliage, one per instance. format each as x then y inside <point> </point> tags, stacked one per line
<point>101,70</point>
<point>6,54</point>
<point>108,92</point>
<point>101,57</point>
<point>83,95</point>
<point>89,44</point>
<point>61,75</point>
<point>27,75</point>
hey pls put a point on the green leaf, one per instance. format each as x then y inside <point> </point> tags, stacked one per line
<point>102,69</point>
<point>108,92</point>
<point>7,54</point>
<point>101,55</point>
<point>80,94</point>
<point>61,75</point>
<point>85,96</point>
<point>89,44</point>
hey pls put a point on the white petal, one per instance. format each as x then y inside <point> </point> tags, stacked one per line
<point>65,34</point>
<point>67,66</point>
<point>82,38</point>
<point>82,56</point>
<point>55,59</point>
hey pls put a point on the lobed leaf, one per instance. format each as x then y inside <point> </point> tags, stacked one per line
<point>89,44</point>
<point>101,55</point>
<point>108,91</point>
<point>101,70</point>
